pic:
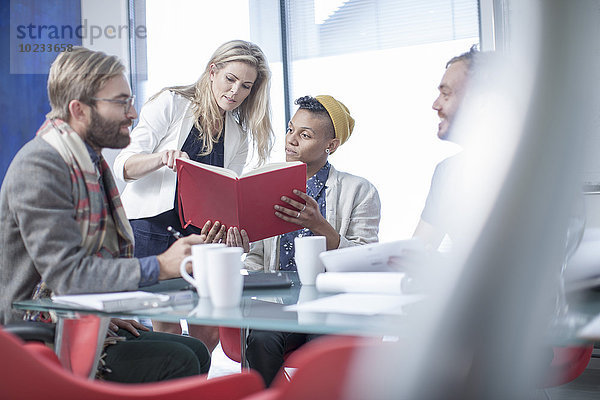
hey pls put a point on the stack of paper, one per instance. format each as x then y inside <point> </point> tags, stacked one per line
<point>360,282</point>
<point>357,304</point>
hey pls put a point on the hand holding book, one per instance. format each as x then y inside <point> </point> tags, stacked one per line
<point>215,233</point>
<point>307,215</point>
<point>238,238</point>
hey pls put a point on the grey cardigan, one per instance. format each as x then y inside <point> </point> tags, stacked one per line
<point>40,238</point>
<point>353,209</point>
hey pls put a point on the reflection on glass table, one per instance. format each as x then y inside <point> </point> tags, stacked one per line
<point>268,309</point>
<point>265,309</point>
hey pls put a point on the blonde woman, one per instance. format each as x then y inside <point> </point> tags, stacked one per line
<point>209,121</point>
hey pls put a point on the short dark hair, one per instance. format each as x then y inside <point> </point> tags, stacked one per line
<point>469,58</point>
<point>311,104</point>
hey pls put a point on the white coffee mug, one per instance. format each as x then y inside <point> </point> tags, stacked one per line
<point>306,255</point>
<point>225,282</point>
<point>198,260</point>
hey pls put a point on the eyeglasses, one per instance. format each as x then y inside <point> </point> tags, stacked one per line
<point>127,103</point>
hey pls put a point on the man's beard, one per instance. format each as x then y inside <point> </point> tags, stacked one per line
<point>104,133</point>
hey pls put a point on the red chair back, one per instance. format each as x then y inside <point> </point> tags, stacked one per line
<point>230,342</point>
<point>568,363</point>
<point>323,365</point>
<point>81,341</point>
<point>28,375</point>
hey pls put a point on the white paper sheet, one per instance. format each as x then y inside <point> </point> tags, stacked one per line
<point>358,303</point>
<point>360,282</point>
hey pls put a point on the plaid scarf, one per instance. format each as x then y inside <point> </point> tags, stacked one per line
<point>91,202</point>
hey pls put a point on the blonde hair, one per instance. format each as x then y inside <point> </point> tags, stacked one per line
<point>78,75</point>
<point>253,115</point>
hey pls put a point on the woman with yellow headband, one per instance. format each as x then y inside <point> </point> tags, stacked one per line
<point>342,207</point>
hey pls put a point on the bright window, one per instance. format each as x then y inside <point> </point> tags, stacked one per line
<point>382,58</point>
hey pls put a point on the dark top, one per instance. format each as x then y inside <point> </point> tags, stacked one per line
<point>151,236</point>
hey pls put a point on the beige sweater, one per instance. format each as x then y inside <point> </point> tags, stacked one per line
<point>352,208</point>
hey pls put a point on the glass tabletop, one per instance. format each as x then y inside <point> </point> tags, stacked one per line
<point>259,309</point>
<point>266,309</point>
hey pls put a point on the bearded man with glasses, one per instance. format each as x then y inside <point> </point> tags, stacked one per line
<point>62,225</point>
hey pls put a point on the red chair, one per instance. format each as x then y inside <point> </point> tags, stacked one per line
<point>322,368</point>
<point>82,337</point>
<point>231,342</point>
<point>26,374</point>
<point>568,363</point>
<point>232,346</point>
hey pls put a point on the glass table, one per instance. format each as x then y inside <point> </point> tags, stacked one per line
<point>259,309</point>
<point>263,309</point>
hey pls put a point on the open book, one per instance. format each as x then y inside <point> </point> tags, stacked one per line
<point>206,192</point>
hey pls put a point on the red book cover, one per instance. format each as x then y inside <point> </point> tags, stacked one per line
<point>206,192</point>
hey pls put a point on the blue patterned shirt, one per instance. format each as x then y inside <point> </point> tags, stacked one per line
<point>315,188</point>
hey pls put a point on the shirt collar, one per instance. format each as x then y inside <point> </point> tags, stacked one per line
<point>93,155</point>
<point>316,183</point>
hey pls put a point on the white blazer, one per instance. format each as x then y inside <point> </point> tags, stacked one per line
<point>352,208</point>
<point>164,124</point>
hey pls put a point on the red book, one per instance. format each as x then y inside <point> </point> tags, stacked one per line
<point>206,192</point>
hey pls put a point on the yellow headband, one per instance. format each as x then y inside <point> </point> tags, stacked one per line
<point>343,123</point>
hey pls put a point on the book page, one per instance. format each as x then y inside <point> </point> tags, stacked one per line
<point>270,167</point>
<point>219,170</point>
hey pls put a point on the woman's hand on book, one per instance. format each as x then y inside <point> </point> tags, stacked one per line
<point>238,238</point>
<point>308,216</point>
<point>215,233</point>
<point>139,165</point>
<point>168,157</point>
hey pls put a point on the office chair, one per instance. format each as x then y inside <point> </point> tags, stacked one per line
<point>567,364</point>
<point>81,337</point>
<point>231,344</point>
<point>26,374</point>
<point>322,366</point>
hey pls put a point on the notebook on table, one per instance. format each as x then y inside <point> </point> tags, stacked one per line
<point>267,280</point>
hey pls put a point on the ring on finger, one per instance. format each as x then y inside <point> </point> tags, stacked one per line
<point>298,216</point>
<point>303,208</point>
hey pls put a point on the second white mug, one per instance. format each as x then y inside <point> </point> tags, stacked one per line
<point>306,255</point>
<point>225,282</point>
<point>198,260</point>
